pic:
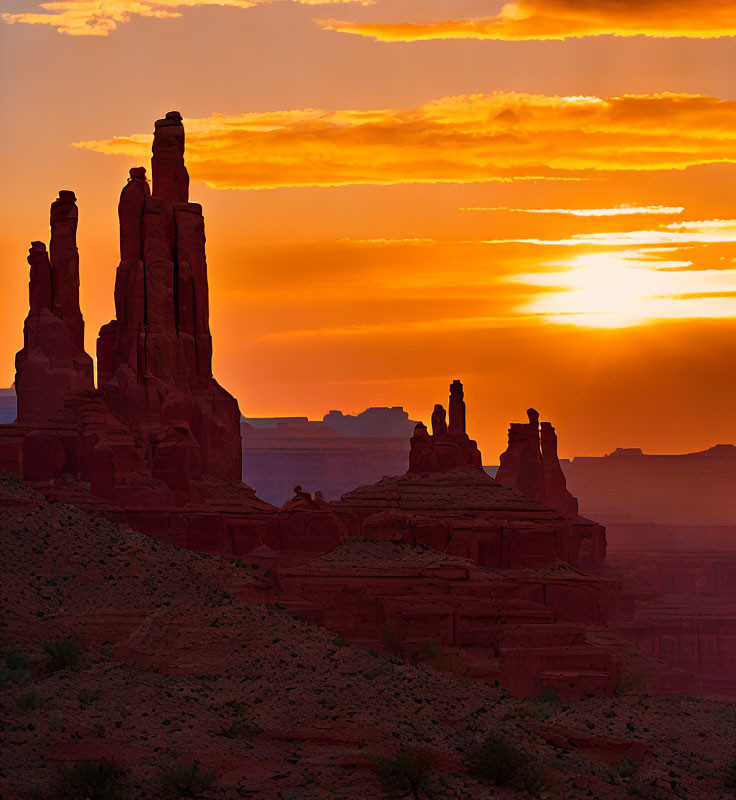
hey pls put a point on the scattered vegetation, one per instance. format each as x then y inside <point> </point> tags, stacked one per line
<point>500,762</point>
<point>186,780</point>
<point>395,638</point>
<point>63,653</point>
<point>409,773</point>
<point>497,761</point>
<point>14,667</point>
<point>93,780</point>
<point>30,701</point>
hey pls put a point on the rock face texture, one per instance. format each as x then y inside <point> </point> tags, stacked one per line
<point>52,362</point>
<point>449,446</point>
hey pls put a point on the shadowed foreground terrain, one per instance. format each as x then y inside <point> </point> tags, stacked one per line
<point>176,666</point>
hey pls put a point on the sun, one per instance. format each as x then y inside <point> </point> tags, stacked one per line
<point>618,290</point>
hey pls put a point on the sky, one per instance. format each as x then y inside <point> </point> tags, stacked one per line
<point>535,197</point>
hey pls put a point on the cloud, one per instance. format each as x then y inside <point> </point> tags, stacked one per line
<point>562,19</point>
<point>615,211</point>
<point>679,234</point>
<point>100,17</point>
<point>462,139</point>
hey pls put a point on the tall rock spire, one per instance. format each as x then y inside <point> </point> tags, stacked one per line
<point>170,177</point>
<point>447,448</point>
<point>457,409</point>
<point>155,358</point>
<point>53,362</point>
<point>65,264</point>
<point>555,483</point>
<point>536,470</point>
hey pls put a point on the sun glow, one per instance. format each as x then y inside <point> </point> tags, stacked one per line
<point>617,290</point>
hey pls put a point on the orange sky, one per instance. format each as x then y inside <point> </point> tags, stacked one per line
<point>511,196</point>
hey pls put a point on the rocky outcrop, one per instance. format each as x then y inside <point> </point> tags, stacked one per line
<point>531,465</point>
<point>156,356</point>
<point>447,501</point>
<point>159,431</point>
<point>53,362</point>
<point>449,446</point>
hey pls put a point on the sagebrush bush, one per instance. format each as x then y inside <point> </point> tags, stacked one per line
<point>497,760</point>
<point>93,780</point>
<point>186,780</point>
<point>62,653</point>
<point>29,701</point>
<point>409,772</point>
<point>14,667</point>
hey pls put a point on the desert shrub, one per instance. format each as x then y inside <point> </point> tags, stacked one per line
<point>186,780</point>
<point>729,775</point>
<point>15,660</point>
<point>409,772</point>
<point>29,701</point>
<point>93,780</point>
<point>14,667</point>
<point>62,653</point>
<point>497,761</point>
<point>395,638</point>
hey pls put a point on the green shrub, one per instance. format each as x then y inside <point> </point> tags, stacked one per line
<point>29,701</point>
<point>62,653</point>
<point>14,667</point>
<point>15,660</point>
<point>186,780</point>
<point>497,761</point>
<point>395,638</point>
<point>408,773</point>
<point>93,780</point>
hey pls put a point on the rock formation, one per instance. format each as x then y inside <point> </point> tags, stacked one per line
<point>52,362</point>
<point>159,430</point>
<point>531,465</point>
<point>448,447</point>
<point>156,356</point>
<point>447,501</point>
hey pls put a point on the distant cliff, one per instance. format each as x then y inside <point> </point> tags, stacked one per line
<point>333,456</point>
<point>631,486</point>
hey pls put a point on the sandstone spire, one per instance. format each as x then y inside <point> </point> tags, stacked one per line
<point>170,177</point>
<point>53,362</point>
<point>447,448</point>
